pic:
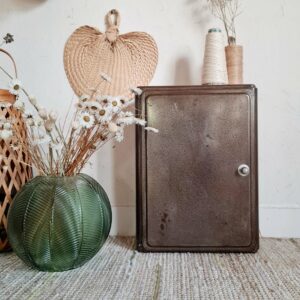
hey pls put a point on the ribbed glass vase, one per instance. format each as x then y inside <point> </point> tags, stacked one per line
<point>59,223</point>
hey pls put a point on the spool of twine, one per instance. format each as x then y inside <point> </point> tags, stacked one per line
<point>234,59</point>
<point>214,64</point>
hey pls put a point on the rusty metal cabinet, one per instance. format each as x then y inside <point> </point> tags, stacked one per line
<point>197,179</point>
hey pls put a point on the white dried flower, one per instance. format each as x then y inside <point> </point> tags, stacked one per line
<point>126,120</point>
<point>112,127</point>
<point>109,98</point>
<point>38,107</point>
<point>7,126</point>
<point>131,120</point>
<point>6,134</point>
<point>119,137</point>
<point>28,114</point>
<point>126,114</point>
<point>15,87</point>
<point>32,100</point>
<point>53,115</point>
<point>102,98</point>
<point>84,98</point>
<point>152,129</point>
<point>140,122</point>
<point>86,120</point>
<point>105,77</point>
<point>129,103</point>
<point>30,122</point>
<point>4,168</point>
<point>43,113</point>
<point>123,99</point>
<point>115,104</point>
<point>80,105</point>
<point>136,91</point>
<point>49,124</point>
<point>104,114</point>
<point>38,122</point>
<point>93,106</point>
<point>19,105</point>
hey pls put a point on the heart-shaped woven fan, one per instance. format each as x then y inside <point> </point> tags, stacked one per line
<point>129,60</point>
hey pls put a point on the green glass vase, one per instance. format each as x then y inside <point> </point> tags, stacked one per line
<point>59,223</point>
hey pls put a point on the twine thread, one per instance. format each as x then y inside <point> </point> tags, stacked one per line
<point>234,59</point>
<point>113,20</point>
<point>214,64</point>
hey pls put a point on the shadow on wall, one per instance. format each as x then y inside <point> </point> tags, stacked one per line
<point>182,74</point>
<point>200,13</point>
<point>200,17</point>
<point>123,182</point>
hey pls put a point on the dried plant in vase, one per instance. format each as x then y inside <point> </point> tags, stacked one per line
<point>59,152</point>
<point>227,11</point>
<point>61,218</point>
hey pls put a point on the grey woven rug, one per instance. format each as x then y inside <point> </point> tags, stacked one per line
<point>118,272</point>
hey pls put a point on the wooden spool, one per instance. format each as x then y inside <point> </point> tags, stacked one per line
<point>13,173</point>
<point>234,59</point>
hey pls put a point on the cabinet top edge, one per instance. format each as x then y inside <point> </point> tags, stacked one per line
<point>200,87</point>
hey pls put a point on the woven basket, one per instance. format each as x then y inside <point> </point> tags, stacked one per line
<point>129,59</point>
<point>14,174</point>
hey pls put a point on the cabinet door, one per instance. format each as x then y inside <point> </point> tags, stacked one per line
<point>192,194</point>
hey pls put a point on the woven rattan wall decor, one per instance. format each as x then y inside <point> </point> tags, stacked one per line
<point>14,163</point>
<point>130,59</point>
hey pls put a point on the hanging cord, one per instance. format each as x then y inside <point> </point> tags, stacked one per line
<point>112,20</point>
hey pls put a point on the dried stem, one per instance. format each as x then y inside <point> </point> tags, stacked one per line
<point>55,152</point>
<point>227,11</point>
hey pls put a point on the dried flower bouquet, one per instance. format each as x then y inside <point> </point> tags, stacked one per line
<point>227,11</point>
<point>64,149</point>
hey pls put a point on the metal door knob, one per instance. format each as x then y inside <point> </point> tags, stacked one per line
<point>243,170</point>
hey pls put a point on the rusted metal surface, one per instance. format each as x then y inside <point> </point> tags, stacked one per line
<point>190,194</point>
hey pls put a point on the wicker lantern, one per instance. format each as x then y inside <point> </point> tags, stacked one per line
<point>14,169</point>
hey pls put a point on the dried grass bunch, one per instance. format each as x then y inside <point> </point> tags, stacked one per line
<point>227,11</point>
<point>63,148</point>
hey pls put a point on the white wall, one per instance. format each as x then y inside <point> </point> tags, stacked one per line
<point>269,31</point>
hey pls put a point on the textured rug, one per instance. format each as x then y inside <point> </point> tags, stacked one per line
<point>119,272</point>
